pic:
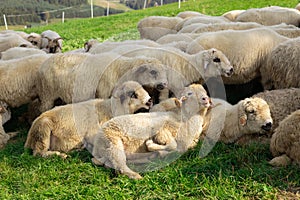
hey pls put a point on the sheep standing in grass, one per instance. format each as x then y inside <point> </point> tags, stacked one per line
<point>51,42</point>
<point>5,115</point>
<point>19,79</point>
<point>247,50</point>
<point>154,27</point>
<point>65,128</point>
<point>10,40</point>
<point>285,142</point>
<point>79,77</point>
<point>19,52</point>
<point>227,123</point>
<point>282,69</point>
<point>127,134</point>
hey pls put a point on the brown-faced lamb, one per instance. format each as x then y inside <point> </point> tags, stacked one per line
<point>283,65</point>
<point>247,50</point>
<point>270,16</point>
<point>79,77</point>
<point>154,27</point>
<point>68,127</point>
<point>122,136</point>
<point>285,142</point>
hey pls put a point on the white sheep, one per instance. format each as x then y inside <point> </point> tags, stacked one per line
<point>285,142</point>
<point>247,50</point>
<point>130,134</point>
<point>35,39</point>
<point>5,115</point>
<point>228,123</point>
<point>154,27</point>
<point>51,42</point>
<point>79,77</point>
<point>19,79</point>
<point>19,52</point>
<point>232,14</point>
<point>10,40</point>
<point>270,16</point>
<point>68,127</point>
<point>282,68</point>
<point>188,14</point>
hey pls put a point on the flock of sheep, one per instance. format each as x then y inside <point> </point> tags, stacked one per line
<point>139,101</point>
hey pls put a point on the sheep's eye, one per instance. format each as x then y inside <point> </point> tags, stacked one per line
<point>132,94</point>
<point>251,111</point>
<point>216,59</point>
<point>190,93</point>
<point>153,72</point>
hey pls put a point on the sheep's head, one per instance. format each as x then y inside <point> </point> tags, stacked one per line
<point>35,39</point>
<point>54,46</point>
<point>254,116</point>
<point>152,75</point>
<point>215,63</point>
<point>130,97</point>
<point>194,99</point>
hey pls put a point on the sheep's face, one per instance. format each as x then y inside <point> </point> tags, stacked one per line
<point>35,39</point>
<point>54,46</point>
<point>152,76</point>
<point>132,97</point>
<point>195,99</point>
<point>216,63</point>
<point>255,116</point>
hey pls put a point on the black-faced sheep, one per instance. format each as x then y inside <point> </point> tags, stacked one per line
<point>66,128</point>
<point>283,65</point>
<point>127,134</point>
<point>51,42</point>
<point>285,142</point>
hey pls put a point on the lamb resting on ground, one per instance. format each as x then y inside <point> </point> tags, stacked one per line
<point>65,128</point>
<point>285,142</point>
<point>125,135</point>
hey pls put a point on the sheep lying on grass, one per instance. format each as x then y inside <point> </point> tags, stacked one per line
<point>79,77</point>
<point>282,69</point>
<point>65,128</point>
<point>285,142</point>
<point>227,123</point>
<point>127,134</point>
<point>5,115</point>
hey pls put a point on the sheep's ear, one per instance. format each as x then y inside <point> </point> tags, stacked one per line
<point>243,120</point>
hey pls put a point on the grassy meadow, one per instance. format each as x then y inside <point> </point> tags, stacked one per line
<point>227,172</point>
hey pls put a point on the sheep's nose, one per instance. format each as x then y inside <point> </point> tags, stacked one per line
<point>230,72</point>
<point>267,126</point>
<point>149,103</point>
<point>161,86</point>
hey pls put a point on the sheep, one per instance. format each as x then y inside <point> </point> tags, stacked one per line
<point>297,7</point>
<point>19,79</point>
<point>285,141</point>
<point>122,136</point>
<point>19,52</point>
<point>270,16</point>
<point>79,77</point>
<point>10,40</point>
<point>232,14</point>
<point>227,123</point>
<point>86,47</point>
<point>51,42</point>
<point>5,115</point>
<point>109,46</point>
<point>35,39</point>
<point>184,69</point>
<point>188,14</point>
<point>154,27</point>
<point>66,128</point>
<point>247,50</point>
<point>282,68</point>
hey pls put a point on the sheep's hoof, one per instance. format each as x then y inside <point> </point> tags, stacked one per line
<point>280,161</point>
<point>12,134</point>
<point>134,176</point>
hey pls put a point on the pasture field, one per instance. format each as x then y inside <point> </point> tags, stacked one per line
<point>227,172</point>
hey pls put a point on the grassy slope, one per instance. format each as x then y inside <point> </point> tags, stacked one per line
<point>228,172</point>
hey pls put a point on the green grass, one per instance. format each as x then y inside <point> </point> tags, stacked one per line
<point>228,172</point>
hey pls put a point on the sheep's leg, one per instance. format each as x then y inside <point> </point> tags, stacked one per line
<point>142,158</point>
<point>280,161</point>
<point>51,153</point>
<point>171,146</point>
<point>163,94</point>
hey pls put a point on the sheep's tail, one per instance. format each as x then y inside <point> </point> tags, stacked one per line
<point>38,138</point>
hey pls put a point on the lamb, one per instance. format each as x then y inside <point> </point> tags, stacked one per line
<point>227,123</point>
<point>247,50</point>
<point>19,79</point>
<point>79,77</point>
<point>122,136</point>
<point>285,141</point>
<point>5,115</point>
<point>184,69</point>
<point>282,68</point>
<point>270,16</point>
<point>66,128</point>
<point>10,40</point>
<point>19,52</point>
<point>154,27</point>
<point>51,42</point>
